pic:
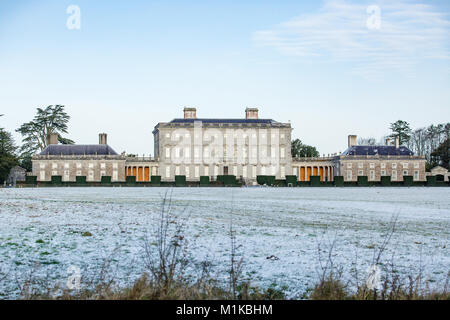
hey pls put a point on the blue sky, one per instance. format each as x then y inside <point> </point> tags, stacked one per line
<point>316,64</point>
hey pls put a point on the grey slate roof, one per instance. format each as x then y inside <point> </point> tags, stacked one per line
<point>78,149</point>
<point>380,150</point>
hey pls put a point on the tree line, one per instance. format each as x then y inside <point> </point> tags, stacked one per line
<point>433,141</point>
<point>35,138</point>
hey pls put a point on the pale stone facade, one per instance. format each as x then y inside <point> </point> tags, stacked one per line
<point>210,147</point>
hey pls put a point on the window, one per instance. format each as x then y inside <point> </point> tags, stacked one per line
<point>360,172</point>
<point>54,173</point>
<point>349,175</point>
<point>91,165</point>
<point>42,175</point>
<point>167,135</point>
<point>206,171</point>
<point>372,166</point>
<point>383,172</point>
<point>54,165</point>
<point>405,172</point>
<point>42,165</point>
<point>197,171</point>
<point>167,172</point>
<point>216,171</point>
<point>282,172</point>
<point>115,176</point>
<point>282,136</point>
<point>103,173</point>
<point>360,165</point>
<point>405,165</point>
<point>272,152</point>
<point>66,165</point>
<point>177,170</point>
<point>206,153</point>
<point>102,165</point>
<point>196,153</point>
<point>91,175</point>
<point>372,175</point>
<point>394,175</point>
<point>416,175</point>
<point>186,170</point>
<point>66,174</point>
<point>235,170</point>
<point>282,153</point>
<point>416,165</point>
<point>253,171</point>
<point>394,166</point>
<point>177,153</point>
<point>78,165</point>
<point>115,165</point>
<point>244,171</point>
<point>79,173</point>
<point>349,165</point>
<point>187,153</point>
<point>167,152</point>
<point>383,165</point>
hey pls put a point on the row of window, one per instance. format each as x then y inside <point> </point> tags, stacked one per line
<point>216,136</point>
<point>211,153</point>
<point>66,175</point>
<point>383,165</point>
<point>383,173</point>
<point>214,171</point>
<point>78,165</point>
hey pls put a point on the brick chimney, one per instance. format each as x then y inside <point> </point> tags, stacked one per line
<point>397,142</point>
<point>52,138</point>
<point>351,140</point>
<point>102,138</point>
<point>251,113</point>
<point>190,113</point>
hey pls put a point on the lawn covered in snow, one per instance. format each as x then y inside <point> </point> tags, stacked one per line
<point>44,230</point>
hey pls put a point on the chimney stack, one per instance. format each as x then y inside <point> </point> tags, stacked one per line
<point>351,140</point>
<point>52,138</point>
<point>102,138</point>
<point>251,113</point>
<point>397,142</point>
<point>190,113</point>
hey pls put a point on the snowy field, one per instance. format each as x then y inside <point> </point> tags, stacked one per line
<point>42,229</point>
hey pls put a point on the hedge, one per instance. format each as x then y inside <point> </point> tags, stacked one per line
<point>56,179</point>
<point>408,181</point>
<point>80,179</point>
<point>105,179</point>
<point>314,181</point>
<point>156,180</point>
<point>30,179</point>
<point>363,181</point>
<point>338,181</point>
<point>431,180</point>
<point>180,181</point>
<point>204,180</point>
<point>265,180</point>
<point>385,180</point>
<point>131,179</point>
<point>229,180</point>
<point>291,180</point>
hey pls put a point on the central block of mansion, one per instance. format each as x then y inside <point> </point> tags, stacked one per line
<point>245,147</point>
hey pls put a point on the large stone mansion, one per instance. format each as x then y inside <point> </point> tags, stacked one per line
<point>244,147</point>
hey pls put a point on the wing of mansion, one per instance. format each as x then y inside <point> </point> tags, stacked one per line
<point>245,147</point>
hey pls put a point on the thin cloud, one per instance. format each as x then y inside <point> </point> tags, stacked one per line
<point>407,34</point>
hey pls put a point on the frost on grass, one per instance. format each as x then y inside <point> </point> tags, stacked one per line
<point>282,231</point>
